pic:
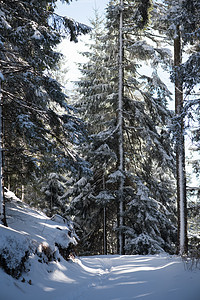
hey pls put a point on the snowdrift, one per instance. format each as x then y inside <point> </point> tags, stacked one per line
<point>31,240</point>
<point>30,232</point>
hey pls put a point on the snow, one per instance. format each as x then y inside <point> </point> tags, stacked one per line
<point>10,195</point>
<point>105,195</point>
<point>81,182</point>
<point>115,176</point>
<point>111,277</point>
<point>37,35</point>
<point>16,243</point>
<point>106,277</point>
<point>1,75</point>
<point>6,24</point>
<point>24,121</point>
<point>33,226</point>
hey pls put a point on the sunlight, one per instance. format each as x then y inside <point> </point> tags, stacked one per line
<point>91,270</point>
<point>132,269</point>
<point>142,295</point>
<point>52,226</point>
<point>31,213</point>
<point>59,276</point>
<point>130,283</point>
<point>40,237</point>
<point>61,267</point>
<point>48,289</point>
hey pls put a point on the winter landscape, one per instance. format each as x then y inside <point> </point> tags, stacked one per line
<point>100,160</point>
<point>152,277</point>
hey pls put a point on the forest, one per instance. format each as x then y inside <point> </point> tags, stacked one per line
<point>109,159</point>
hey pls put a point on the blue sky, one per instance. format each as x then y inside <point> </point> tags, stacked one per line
<point>81,10</point>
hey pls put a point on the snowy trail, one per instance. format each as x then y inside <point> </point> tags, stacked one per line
<point>112,277</point>
<point>106,278</point>
<point>142,277</point>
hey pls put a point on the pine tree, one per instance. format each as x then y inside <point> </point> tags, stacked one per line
<point>93,204</point>
<point>55,200</point>
<point>190,72</point>
<point>94,209</point>
<point>120,128</point>
<point>180,23</point>
<point>180,148</point>
<point>40,128</point>
<point>148,158</point>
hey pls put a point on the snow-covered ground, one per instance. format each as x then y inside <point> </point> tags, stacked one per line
<point>105,278</point>
<point>158,277</point>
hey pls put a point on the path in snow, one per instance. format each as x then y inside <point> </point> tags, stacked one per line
<point>158,277</point>
<point>141,277</point>
<point>106,278</point>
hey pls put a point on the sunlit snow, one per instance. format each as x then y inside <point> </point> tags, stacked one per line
<point>112,277</point>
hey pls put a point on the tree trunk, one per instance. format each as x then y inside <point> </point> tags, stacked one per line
<point>120,126</point>
<point>104,232</point>
<point>22,195</point>
<point>2,198</point>
<point>180,150</point>
<point>104,222</point>
<point>1,157</point>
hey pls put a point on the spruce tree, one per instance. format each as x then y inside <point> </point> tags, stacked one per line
<point>94,208</point>
<point>180,23</point>
<point>148,156</point>
<point>40,127</point>
<point>190,71</point>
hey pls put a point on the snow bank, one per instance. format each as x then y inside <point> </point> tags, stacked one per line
<point>30,232</point>
<point>14,251</point>
<point>114,277</point>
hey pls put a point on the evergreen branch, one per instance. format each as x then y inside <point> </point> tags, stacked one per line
<point>17,71</point>
<point>20,101</point>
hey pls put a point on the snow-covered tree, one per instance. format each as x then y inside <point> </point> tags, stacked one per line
<point>180,23</point>
<point>92,202</point>
<point>190,72</point>
<point>54,189</point>
<point>40,127</point>
<point>148,156</point>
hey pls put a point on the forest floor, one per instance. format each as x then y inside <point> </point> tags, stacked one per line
<point>112,277</point>
<point>106,278</point>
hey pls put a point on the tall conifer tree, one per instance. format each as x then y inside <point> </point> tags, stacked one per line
<point>148,158</point>
<point>40,127</point>
<point>180,23</point>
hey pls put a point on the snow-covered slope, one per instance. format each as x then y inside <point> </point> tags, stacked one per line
<point>105,278</point>
<point>30,232</point>
<point>36,226</point>
<point>114,277</point>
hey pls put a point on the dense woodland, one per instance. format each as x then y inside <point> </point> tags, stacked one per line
<point>111,158</point>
